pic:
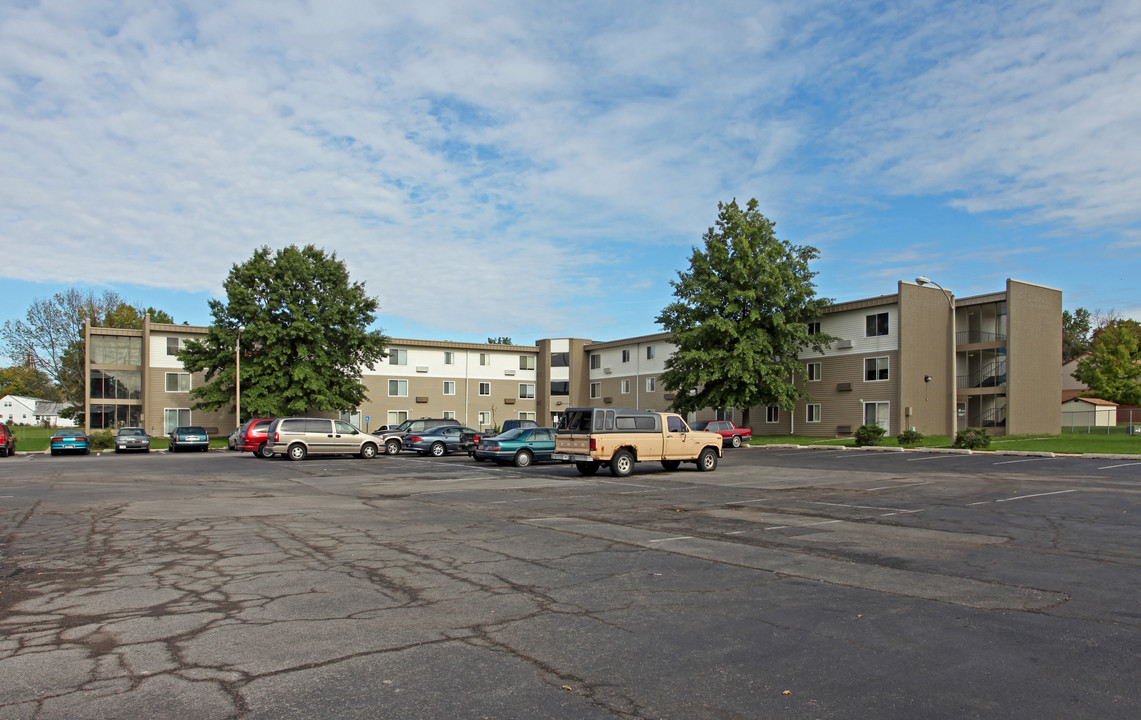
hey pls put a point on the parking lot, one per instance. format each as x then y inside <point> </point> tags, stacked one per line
<point>788,583</point>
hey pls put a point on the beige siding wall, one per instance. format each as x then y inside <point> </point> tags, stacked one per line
<point>924,351</point>
<point>1034,354</point>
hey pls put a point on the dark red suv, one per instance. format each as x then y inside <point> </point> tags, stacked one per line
<point>7,441</point>
<point>251,437</point>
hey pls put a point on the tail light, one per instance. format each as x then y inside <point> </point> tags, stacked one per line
<point>593,444</point>
<point>276,437</point>
<point>415,439</point>
<point>475,439</point>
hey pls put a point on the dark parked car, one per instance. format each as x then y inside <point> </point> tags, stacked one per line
<point>394,439</point>
<point>521,446</point>
<point>7,441</point>
<point>515,423</point>
<point>73,441</point>
<point>132,438</point>
<point>251,437</point>
<point>189,437</point>
<point>442,440</point>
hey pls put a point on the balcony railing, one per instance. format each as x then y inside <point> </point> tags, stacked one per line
<point>970,337</point>
<point>993,375</point>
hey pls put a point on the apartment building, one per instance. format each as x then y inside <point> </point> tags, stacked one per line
<point>918,358</point>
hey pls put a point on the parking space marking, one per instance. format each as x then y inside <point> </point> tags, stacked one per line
<point>1023,497</point>
<point>893,487</point>
<point>679,537</point>
<point>1033,459</point>
<point>863,507</point>
<point>653,490</point>
<point>934,456</point>
<point>1110,467</point>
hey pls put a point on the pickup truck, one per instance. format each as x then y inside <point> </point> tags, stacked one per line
<point>732,434</point>
<point>601,437</point>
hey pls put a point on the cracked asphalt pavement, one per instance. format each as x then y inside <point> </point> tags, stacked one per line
<point>788,583</point>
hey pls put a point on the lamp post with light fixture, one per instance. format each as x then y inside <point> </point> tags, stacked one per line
<point>238,378</point>
<point>954,426</point>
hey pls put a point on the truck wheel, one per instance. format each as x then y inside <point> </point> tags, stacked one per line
<point>671,464</point>
<point>587,468</point>
<point>392,447</point>
<point>523,458</point>
<point>736,441</point>
<point>707,460</point>
<point>622,464</point>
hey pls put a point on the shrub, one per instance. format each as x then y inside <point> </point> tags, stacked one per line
<point>869,435</point>
<point>908,438</point>
<point>972,439</point>
<point>102,440</point>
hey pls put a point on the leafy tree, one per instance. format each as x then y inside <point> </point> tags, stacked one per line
<point>28,381</point>
<point>501,340</point>
<point>1112,369</point>
<point>52,324</point>
<point>1075,333</point>
<point>740,318</point>
<point>304,336</point>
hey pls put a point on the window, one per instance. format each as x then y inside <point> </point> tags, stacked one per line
<point>876,413</point>
<point>116,384</point>
<point>877,325</point>
<point>812,412</point>
<point>449,357</point>
<point>560,387</point>
<point>485,388</point>
<point>674,424</point>
<point>397,388</point>
<point>651,384</point>
<point>484,359</point>
<point>626,386</point>
<point>112,416</point>
<point>812,372</point>
<point>649,352</point>
<point>449,414</point>
<point>116,350</point>
<point>449,387</point>
<point>395,417</point>
<point>177,382</point>
<point>484,418</point>
<point>560,360</point>
<point>875,369</point>
<point>595,391</point>
<point>397,357</point>
<point>625,356</point>
<point>814,328</point>
<point>526,362</point>
<point>526,390</point>
<point>172,346</point>
<point>772,414</point>
<point>175,417</point>
<point>526,416</point>
<point>595,361</point>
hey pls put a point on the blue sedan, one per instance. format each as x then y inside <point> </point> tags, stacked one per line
<point>441,440</point>
<point>521,446</point>
<point>189,437</point>
<point>73,441</point>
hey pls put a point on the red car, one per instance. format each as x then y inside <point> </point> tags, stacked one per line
<point>7,441</point>
<point>251,437</point>
<point>733,435</point>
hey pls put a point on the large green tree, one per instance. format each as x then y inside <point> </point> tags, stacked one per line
<point>740,317</point>
<point>305,337</point>
<point>28,381</point>
<point>1076,328</point>
<point>1112,368</point>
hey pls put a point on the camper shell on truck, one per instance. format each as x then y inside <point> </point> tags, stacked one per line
<point>592,438</point>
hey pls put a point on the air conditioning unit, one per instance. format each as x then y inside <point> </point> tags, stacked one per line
<point>509,372</point>
<point>607,370</point>
<point>843,345</point>
<point>843,386</point>
<point>421,368</point>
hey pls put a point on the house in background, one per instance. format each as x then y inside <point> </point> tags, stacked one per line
<point>1082,412</point>
<point>22,410</point>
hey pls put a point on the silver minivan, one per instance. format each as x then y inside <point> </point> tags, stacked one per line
<point>297,437</point>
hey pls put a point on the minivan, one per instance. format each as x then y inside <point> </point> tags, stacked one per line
<point>253,437</point>
<point>298,437</point>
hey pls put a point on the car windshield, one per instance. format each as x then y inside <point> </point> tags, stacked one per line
<point>192,430</point>
<point>513,434</point>
<point>132,431</point>
<point>69,433</point>
<point>700,425</point>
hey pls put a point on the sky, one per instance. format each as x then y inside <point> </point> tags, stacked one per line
<point>532,170</point>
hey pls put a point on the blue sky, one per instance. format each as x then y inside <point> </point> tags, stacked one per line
<point>544,169</point>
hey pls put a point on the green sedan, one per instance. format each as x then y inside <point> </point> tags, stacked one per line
<point>521,446</point>
<point>189,437</point>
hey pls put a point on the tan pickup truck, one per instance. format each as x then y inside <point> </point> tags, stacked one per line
<point>596,437</point>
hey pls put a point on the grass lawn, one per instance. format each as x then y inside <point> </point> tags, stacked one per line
<point>1069,443</point>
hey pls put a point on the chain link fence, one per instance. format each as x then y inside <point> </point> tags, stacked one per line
<point>1110,421</point>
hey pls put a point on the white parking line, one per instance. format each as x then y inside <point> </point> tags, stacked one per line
<point>893,487</point>
<point>1110,467</point>
<point>1023,497</point>
<point>934,456</point>
<point>862,507</point>
<point>1033,459</point>
<point>681,537</point>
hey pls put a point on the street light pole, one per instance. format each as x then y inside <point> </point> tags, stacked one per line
<point>954,426</point>
<point>238,378</point>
